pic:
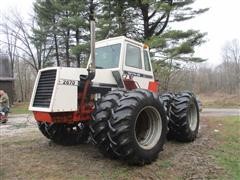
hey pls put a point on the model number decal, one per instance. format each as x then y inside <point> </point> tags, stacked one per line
<point>68,82</point>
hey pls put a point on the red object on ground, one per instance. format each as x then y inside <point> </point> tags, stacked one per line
<point>3,118</point>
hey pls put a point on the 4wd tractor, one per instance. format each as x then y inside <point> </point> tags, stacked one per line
<point>114,102</point>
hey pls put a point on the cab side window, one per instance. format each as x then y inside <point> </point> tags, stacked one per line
<point>146,61</point>
<point>133,57</point>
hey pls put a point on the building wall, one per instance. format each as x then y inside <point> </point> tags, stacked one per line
<point>5,67</point>
<point>6,77</point>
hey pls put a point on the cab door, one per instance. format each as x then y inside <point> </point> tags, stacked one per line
<point>137,65</point>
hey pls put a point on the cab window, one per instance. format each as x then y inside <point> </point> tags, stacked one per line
<point>108,56</point>
<point>146,61</point>
<point>133,56</point>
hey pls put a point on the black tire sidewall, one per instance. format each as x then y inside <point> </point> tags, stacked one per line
<point>179,125</point>
<point>193,101</point>
<point>145,154</point>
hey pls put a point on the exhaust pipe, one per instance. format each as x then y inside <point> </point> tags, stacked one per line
<point>92,65</point>
<point>93,55</point>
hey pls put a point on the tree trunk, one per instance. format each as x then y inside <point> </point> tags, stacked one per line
<point>122,18</point>
<point>144,9</point>
<point>20,81</point>
<point>56,49</point>
<point>77,44</point>
<point>67,48</point>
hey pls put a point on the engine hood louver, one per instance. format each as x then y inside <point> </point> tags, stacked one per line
<point>45,89</point>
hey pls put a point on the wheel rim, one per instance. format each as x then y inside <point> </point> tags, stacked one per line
<point>192,117</point>
<point>148,127</point>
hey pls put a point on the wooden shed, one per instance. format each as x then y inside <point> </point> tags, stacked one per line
<point>6,76</point>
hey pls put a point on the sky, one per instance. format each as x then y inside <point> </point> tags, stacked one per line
<point>220,22</point>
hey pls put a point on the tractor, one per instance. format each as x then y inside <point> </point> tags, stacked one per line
<point>114,103</point>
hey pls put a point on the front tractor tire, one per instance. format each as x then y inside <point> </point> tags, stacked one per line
<point>138,127</point>
<point>184,117</point>
<point>65,134</point>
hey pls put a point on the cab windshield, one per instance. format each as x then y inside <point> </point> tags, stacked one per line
<point>108,56</point>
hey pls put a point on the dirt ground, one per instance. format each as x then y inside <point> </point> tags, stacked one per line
<point>26,154</point>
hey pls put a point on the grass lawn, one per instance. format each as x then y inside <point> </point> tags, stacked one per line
<point>20,108</point>
<point>227,152</point>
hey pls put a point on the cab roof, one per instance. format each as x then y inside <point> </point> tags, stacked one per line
<point>119,39</point>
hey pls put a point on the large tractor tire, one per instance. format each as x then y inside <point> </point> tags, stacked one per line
<point>138,127</point>
<point>65,134</point>
<point>100,119</point>
<point>184,119</point>
<point>166,99</point>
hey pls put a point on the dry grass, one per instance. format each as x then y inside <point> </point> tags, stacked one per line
<point>220,100</point>
<point>20,108</point>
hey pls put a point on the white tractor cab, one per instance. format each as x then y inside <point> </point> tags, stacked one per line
<point>114,102</point>
<point>120,63</point>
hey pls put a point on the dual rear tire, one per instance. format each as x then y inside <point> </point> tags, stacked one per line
<point>134,124</point>
<point>135,129</point>
<point>184,117</point>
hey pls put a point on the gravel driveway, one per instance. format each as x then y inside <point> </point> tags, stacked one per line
<point>18,124</point>
<point>220,112</point>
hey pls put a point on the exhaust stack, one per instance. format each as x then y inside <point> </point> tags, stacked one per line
<point>92,27</point>
<point>92,66</point>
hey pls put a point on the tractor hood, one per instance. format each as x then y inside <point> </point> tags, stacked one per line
<point>56,89</point>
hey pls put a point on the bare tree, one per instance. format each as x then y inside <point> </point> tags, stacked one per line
<point>24,80</point>
<point>231,65</point>
<point>21,43</point>
<point>26,53</point>
<point>11,43</point>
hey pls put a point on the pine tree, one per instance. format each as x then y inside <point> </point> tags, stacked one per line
<point>147,20</point>
<point>46,15</point>
<point>67,27</point>
<point>115,18</point>
<point>168,47</point>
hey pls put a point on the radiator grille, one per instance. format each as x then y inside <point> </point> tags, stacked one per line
<point>45,89</point>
